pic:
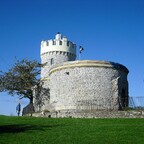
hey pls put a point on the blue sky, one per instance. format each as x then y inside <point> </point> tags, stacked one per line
<point>110,30</point>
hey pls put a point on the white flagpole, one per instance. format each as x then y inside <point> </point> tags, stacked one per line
<point>79,55</point>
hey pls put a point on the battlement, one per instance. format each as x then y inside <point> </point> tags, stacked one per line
<point>58,44</point>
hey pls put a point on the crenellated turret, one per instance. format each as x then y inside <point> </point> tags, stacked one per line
<point>58,44</point>
<point>56,51</point>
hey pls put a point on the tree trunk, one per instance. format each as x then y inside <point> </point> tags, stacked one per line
<point>31,100</point>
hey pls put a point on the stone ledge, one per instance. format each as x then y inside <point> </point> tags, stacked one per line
<point>45,79</point>
<point>96,114</point>
<point>88,63</point>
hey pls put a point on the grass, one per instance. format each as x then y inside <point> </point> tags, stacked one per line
<point>30,130</point>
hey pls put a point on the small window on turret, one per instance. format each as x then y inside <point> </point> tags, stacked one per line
<point>52,61</point>
<point>60,42</point>
<point>68,43</point>
<point>47,43</point>
<point>54,42</point>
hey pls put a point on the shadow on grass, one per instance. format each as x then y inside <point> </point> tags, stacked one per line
<point>16,128</point>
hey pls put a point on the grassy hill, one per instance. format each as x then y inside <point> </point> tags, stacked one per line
<point>30,130</point>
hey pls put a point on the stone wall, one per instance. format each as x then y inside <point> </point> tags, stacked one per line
<point>96,114</point>
<point>81,87</point>
<point>87,85</point>
<point>58,57</point>
<point>41,94</point>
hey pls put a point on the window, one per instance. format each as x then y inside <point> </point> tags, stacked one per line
<point>54,42</point>
<point>60,42</point>
<point>47,43</point>
<point>52,61</point>
<point>68,43</point>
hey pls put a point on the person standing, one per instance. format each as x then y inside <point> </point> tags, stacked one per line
<point>18,109</point>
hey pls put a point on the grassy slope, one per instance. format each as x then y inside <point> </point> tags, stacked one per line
<point>27,130</point>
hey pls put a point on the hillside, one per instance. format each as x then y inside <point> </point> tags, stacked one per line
<point>30,130</point>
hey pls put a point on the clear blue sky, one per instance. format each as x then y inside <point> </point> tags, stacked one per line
<point>110,30</point>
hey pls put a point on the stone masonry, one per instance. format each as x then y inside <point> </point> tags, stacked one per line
<point>69,88</point>
<point>88,85</point>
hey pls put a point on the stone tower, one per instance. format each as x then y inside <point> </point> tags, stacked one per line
<point>53,52</point>
<point>56,51</point>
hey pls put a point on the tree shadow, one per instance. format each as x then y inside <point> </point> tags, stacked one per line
<point>17,128</point>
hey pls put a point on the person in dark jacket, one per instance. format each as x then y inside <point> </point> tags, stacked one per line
<point>18,109</point>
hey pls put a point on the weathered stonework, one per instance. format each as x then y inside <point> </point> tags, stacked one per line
<point>70,88</point>
<point>58,57</point>
<point>87,85</point>
<point>41,94</point>
<point>95,114</point>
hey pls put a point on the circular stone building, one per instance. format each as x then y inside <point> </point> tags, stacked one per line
<point>69,87</point>
<point>88,86</point>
